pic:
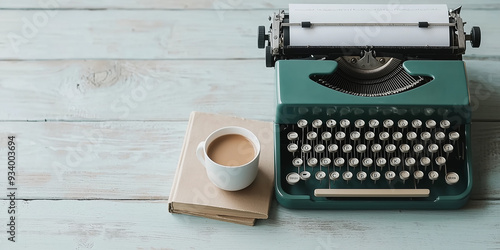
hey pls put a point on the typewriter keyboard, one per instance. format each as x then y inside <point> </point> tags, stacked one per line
<point>371,158</point>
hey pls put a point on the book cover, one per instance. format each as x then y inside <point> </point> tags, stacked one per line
<point>193,193</point>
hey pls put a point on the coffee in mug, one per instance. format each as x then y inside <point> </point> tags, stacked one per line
<point>231,150</point>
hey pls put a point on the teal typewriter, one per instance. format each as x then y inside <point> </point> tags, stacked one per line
<point>372,106</point>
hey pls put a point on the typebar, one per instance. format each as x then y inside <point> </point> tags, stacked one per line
<point>371,192</point>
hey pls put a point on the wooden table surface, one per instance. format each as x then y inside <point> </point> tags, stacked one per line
<point>98,93</point>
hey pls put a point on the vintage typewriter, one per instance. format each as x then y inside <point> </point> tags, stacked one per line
<point>373,120</point>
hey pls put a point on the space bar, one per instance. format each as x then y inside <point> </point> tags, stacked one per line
<point>371,192</point>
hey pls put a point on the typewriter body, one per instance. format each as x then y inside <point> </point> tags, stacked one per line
<point>370,126</point>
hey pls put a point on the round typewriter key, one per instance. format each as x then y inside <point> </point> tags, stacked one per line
<point>319,148</point>
<point>361,148</point>
<point>325,162</point>
<point>433,175</point>
<point>376,148</point>
<point>411,136</point>
<point>404,148</point>
<point>410,162</point>
<point>292,136</point>
<point>395,161</point>
<point>416,123</point>
<point>317,123</point>
<point>440,161</point>
<point>404,175</point>
<point>373,123</point>
<point>430,124</point>
<point>418,148</point>
<point>388,123</point>
<point>292,147</point>
<point>311,135</point>
<point>390,175</point>
<point>359,123</point>
<point>425,136</point>
<point>383,136</point>
<point>425,161</point>
<point>353,162</point>
<point>331,123</point>
<point>339,162</point>
<point>402,123</point>
<point>297,162</point>
<point>339,136</point>
<point>390,148</point>
<point>334,175</point>
<point>312,162</point>
<point>325,136</point>
<point>448,148</point>
<point>397,136</point>
<point>302,123</point>
<point>454,136</point>
<point>361,175</point>
<point>344,123</point>
<point>292,178</point>
<point>440,136</point>
<point>355,135</point>
<point>306,148</point>
<point>347,148</point>
<point>418,175</point>
<point>375,175</point>
<point>433,148</point>
<point>367,162</point>
<point>305,175</point>
<point>320,175</point>
<point>369,135</point>
<point>381,162</point>
<point>444,124</point>
<point>451,178</point>
<point>347,175</point>
<point>332,148</point>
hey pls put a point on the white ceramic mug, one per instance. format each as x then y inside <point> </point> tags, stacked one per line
<point>230,178</point>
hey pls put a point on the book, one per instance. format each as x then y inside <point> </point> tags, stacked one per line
<point>194,194</point>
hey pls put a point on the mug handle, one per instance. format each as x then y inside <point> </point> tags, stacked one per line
<point>199,152</point>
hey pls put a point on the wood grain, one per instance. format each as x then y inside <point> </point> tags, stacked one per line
<point>137,160</point>
<point>161,34</point>
<point>147,224</point>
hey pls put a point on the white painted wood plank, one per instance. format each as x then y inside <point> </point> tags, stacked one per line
<point>137,160</point>
<point>207,4</point>
<point>147,224</point>
<point>157,34</point>
<point>169,90</point>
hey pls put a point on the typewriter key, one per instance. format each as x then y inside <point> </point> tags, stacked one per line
<point>425,161</point>
<point>448,148</point>
<point>297,162</point>
<point>440,161</point>
<point>440,136</point>
<point>302,123</point>
<point>367,162</point>
<point>388,123</point>
<point>454,136</point>
<point>381,162</point>
<point>418,175</point>
<point>444,124</point>
<point>355,135</point>
<point>390,148</point>
<point>395,161</point>
<point>334,175</point>
<point>433,148</point>
<point>347,148</point>
<point>339,162</point>
<point>292,178</point>
<point>317,123</point>
<point>319,148</point>
<point>332,148</point>
<point>397,136</point>
<point>418,148</point>
<point>347,175</point>
<point>325,136</point>
<point>375,175</point>
<point>312,162</point>
<point>311,135</point>
<point>402,123</point>
<point>373,123</point>
<point>305,175</point>
<point>359,123</point>
<point>433,175</point>
<point>369,135</point>
<point>416,123</point>
<point>390,175</point>
<point>331,123</point>
<point>404,175</point>
<point>425,136</point>
<point>292,136</point>
<point>361,175</point>
<point>411,136</point>
<point>325,162</point>
<point>383,136</point>
<point>353,162</point>
<point>339,136</point>
<point>320,175</point>
<point>292,147</point>
<point>410,162</point>
<point>361,148</point>
<point>306,148</point>
<point>404,148</point>
<point>451,178</point>
<point>376,148</point>
<point>430,124</point>
<point>344,123</point>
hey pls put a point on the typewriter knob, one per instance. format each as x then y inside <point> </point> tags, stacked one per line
<point>376,148</point>
<point>440,161</point>
<point>269,57</point>
<point>361,148</point>
<point>262,37</point>
<point>347,148</point>
<point>475,37</point>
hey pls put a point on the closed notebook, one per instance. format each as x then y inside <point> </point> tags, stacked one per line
<point>193,193</point>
